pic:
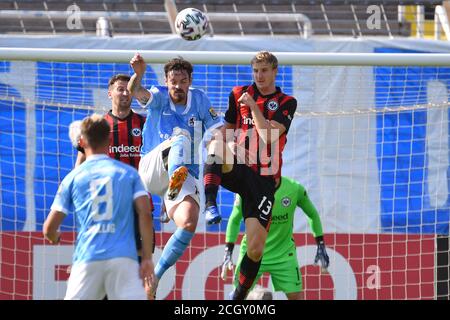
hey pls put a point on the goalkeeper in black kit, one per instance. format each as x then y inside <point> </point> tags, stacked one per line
<point>280,257</point>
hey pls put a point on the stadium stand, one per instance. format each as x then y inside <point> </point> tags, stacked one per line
<point>227,17</point>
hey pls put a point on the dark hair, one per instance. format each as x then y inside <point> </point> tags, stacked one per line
<point>178,64</point>
<point>118,77</point>
<point>95,129</point>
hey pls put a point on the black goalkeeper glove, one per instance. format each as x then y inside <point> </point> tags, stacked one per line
<point>227,263</point>
<point>321,255</point>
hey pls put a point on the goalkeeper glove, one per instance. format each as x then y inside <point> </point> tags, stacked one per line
<point>321,254</point>
<point>227,263</point>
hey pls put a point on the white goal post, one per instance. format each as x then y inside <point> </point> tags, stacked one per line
<point>370,142</point>
<point>225,57</point>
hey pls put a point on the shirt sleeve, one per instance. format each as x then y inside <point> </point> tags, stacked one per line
<point>63,198</point>
<point>234,221</point>
<point>138,187</point>
<point>231,113</point>
<point>305,203</point>
<point>285,113</point>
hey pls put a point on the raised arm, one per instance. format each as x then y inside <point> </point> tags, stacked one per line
<point>135,84</point>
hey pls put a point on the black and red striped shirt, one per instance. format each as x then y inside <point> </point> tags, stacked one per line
<point>125,139</point>
<point>267,159</point>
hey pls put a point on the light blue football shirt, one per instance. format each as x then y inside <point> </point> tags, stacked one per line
<point>163,116</point>
<point>101,192</point>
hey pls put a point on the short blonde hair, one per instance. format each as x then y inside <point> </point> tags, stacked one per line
<point>265,57</point>
<point>95,129</point>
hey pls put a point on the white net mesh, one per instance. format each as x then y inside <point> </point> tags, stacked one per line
<point>370,144</point>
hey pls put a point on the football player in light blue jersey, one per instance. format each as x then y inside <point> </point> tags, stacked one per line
<point>169,119</point>
<point>103,194</point>
<point>177,118</point>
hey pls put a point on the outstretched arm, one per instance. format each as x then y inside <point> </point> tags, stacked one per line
<point>305,203</point>
<point>135,84</point>
<point>315,223</point>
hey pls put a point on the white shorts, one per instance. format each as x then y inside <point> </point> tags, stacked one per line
<point>117,278</point>
<point>155,178</point>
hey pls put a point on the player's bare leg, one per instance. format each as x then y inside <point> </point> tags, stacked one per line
<point>185,216</point>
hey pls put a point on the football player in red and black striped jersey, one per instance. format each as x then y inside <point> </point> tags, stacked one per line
<point>125,137</point>
<point>256,124</point>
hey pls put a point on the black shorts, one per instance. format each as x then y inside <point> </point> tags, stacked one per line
<point>257,192</point>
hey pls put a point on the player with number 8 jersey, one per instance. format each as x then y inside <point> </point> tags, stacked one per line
<point>125,136</point>
<point>103,194</point>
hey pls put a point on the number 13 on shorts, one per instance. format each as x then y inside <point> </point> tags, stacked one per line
<point>265,206</point>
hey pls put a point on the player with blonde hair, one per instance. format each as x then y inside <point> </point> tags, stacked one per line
<point>257,121</point>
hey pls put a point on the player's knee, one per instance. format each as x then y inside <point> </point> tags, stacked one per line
<point>178,133</point>
<point>181,138</point>
<point>255,252</point>
<point>189,226</point>
<point>214,153</point>
<point>213,159</point>
<point>188,223</point>
<point>220,153</point>
<point>214,147</point>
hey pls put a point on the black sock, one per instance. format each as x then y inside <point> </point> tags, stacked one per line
<point>247,274</point>
<point>212,177</point>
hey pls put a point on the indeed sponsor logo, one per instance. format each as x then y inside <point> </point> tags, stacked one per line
<point>123,148</point>
<point>280,218</point>
<point>248,121</point>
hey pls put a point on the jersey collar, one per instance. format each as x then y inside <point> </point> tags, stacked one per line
<point>96,157</point>
<point>277,91</point>
<point>120,119</point>
<point>188,103</point>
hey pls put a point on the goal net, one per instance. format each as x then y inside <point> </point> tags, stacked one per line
<point>370,143</point>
